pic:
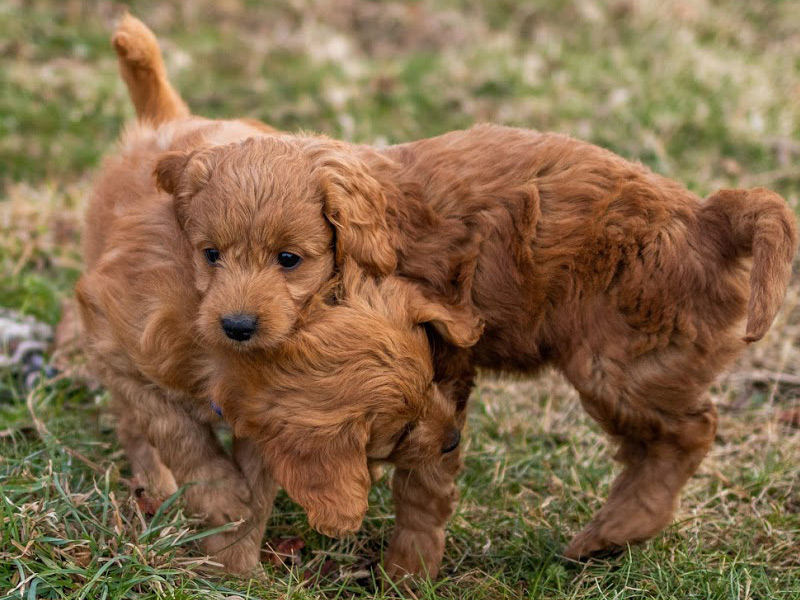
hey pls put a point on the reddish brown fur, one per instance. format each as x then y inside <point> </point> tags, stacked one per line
<point>355,381</point>
<point>151,305</point>
<point>142,68</point>
<point>633,287</point>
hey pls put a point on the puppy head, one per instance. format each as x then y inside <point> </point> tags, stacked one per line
<point>261,244</point>
<point>267,218</point>
<point>353,385</point>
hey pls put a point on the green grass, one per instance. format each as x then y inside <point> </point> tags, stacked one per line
<point>705,92</point>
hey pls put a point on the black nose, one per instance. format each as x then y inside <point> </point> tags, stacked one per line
<point>239,327</point>
<point>452,440</point>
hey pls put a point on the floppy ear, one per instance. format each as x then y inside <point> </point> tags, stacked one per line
<point>325,472</point>
<point>169,170</point>
<point>355,204</point>
<point>459,324</point>
<point>183,174</point>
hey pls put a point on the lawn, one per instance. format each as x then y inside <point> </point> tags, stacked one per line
<point>707,92</point>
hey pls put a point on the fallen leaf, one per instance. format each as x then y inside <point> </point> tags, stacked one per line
<point>790,417</point>
<point>146,503</point>
<point>284,552</point>
<point>324,572</point>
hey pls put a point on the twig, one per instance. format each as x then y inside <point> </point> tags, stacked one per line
<point>45,434</point>
<point>764,376</point>
<point>27,252</point>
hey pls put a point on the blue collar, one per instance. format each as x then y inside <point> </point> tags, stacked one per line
<point>215,407</point>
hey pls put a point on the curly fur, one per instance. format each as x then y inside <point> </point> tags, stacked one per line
<point>331,341</point>
<point>636,289</point>
<point>529,249</point>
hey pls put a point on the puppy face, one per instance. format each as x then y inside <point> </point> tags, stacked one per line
<point>264,219</point>
<point>353,385</point>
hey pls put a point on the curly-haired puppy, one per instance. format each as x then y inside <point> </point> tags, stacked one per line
<point>637,290</point>
<point>199,253</point>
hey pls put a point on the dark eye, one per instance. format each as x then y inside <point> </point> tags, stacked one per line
<point>288,260</point>
<point>212,255</point>
<point>404,433</point>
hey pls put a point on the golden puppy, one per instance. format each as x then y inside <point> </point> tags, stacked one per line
<point>637,290</point>
<point>199,253</point>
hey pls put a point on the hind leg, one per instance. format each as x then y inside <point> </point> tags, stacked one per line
<point>659,452</point>
<point>245,547</point>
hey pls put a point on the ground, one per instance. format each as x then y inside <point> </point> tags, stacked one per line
<point>707,92</point>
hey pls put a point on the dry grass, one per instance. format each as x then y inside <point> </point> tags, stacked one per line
<point>706,92</point>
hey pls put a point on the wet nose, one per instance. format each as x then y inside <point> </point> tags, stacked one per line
<point>239,327</point>
<point>451,441</point>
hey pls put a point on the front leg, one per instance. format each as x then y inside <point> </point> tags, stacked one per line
<point>263,489</point>
<point>189,449</point>
<point>425,499</point>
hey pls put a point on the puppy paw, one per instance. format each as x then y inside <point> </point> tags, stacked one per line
<point>236,550</point>
<point>219,496</point>
<point>342,521</point>
<point>611,531</point>
<point>590,543</point>
<point>414,553</point>
<point>238,547</point>
<point>336,527</point>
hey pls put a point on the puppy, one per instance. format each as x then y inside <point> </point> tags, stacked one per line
<point>198,253</point>
<point>638,291</point>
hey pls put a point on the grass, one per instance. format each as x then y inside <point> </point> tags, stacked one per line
<point>705,92</point>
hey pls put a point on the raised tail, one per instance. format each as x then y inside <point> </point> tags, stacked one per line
<point>142,68</point>
<point>756,223</point>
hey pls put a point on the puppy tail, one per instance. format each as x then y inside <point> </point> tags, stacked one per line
<point>757,223</point>
<point>142,68</point>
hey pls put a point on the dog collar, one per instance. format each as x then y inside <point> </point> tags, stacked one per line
<point>215,407</point>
